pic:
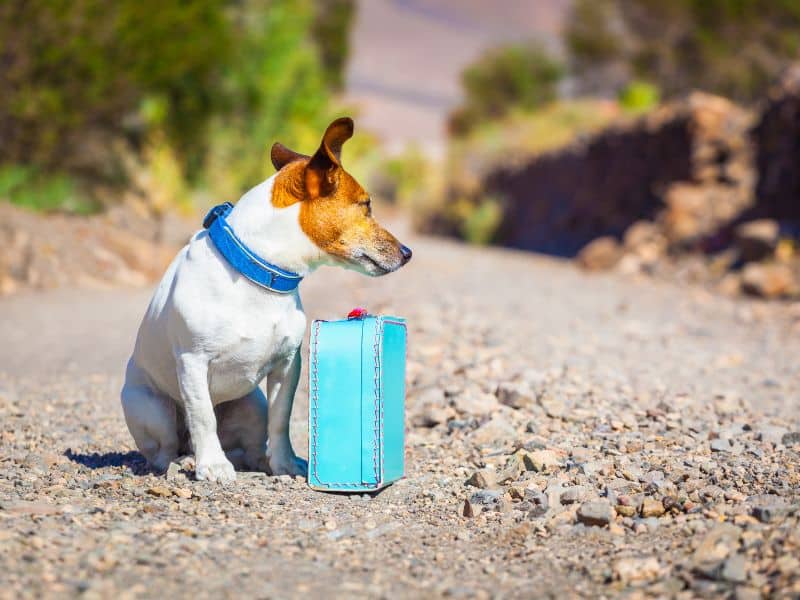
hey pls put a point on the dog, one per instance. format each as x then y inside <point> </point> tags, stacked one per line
<point>210,335</point>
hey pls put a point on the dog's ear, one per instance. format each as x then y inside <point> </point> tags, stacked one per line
<point>335,136</point>
<point>323,169</point>
<point>282,156</point>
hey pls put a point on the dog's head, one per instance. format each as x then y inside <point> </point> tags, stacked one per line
<point>335,211</point>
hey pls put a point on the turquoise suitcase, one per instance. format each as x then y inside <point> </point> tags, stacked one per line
<point>356,416</point>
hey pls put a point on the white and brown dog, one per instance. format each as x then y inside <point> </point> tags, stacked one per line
<point>210,335</point>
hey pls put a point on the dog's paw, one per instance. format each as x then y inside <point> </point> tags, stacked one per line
<point>219,471</point>
<point>288,464</point>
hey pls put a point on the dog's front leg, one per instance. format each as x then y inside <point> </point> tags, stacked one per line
<point>210,460</point>
<point>281,386</point>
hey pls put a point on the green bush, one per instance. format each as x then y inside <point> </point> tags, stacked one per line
<point>519,76</point>
<point>730,47</point>
<point>74,67</point>
<point>331,28</point>
<point>277,92</point>
<point>400,179</point>
<point>99,89</point>
<point>480,224</point>
<point>639,96</point>
<point>30,188</point>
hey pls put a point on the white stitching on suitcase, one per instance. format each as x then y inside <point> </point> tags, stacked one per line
<point>377,421</point>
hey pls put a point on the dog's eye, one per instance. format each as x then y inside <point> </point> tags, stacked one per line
<point>368,205</point>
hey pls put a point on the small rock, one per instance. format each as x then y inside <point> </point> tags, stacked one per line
<point>573,494</point>
<point>642,234</point>
<point>182,493</point>
<point>791,439</point>
<point>720,445</point>
<point>591,468</point>
<point>477,404</point>
<point>515,395</point>
<point>652,508</point>
<point>653,477</point>
<point>514,466</point>
<point>768,513</point>
<point>716,547</point>
<point>629,570</point>
<point>159,491</point>
<point>468,510</point>
<point>431,415</point>
<point>539,502</point>
<point>495,430</point>
<point>484,478</point>
<point>625,511</point>
<point>486,499</point>
<point>597,513</point>
<point>735,569</point>
<point>600,254</point>
<point>541,460</point>
<point>769,280</point>
<point>757,240</point>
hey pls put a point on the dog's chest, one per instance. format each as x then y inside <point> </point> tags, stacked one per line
<point>250,349</point>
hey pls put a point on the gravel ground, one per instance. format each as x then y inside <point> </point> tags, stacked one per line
<point>568,435</point>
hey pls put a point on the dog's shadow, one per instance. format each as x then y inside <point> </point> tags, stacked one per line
<point>132,460</point>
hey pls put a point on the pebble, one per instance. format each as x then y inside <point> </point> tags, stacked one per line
<point>652,508</point>
<point>720,445</point>
<point>541,460</point>
<point>484,478</point>
<point>515,395</point>
<point>791,438</point>
<point>597,513</point>
<point>573,494</point>
<point>538,501</point>
<point>160,491</point>
<point>632,570</point>
<point>735,569</point>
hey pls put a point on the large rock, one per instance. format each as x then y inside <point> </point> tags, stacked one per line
<point>777,141</point>
<point>559,202</point>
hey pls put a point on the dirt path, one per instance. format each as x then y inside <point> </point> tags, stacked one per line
<point>673,409</point>
<point>406,59</point>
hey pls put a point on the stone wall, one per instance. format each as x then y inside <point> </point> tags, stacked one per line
<point>686,165</point>
<point>777,142</point>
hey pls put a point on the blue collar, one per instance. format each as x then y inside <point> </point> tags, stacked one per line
<point>244,260</point>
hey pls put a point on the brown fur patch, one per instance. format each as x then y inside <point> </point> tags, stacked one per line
<point>335,212</point>
<point>289,186</point>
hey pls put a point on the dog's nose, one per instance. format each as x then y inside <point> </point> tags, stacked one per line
<point>406,252</point>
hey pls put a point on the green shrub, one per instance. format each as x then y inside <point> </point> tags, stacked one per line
<point>201,86</point>
<point>509,77</point>
<point>330,29</point>
<point>729,47</point>
<point>54,192</point>
<point>479,225</point>
<point>401,179</point>
<point>639,96</point>
<point>75,66</point>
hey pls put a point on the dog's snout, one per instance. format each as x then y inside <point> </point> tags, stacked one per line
<point>406,252</point>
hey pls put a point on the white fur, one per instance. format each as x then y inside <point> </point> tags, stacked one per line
<point>210,336</point>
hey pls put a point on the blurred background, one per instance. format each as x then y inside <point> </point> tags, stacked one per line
<point>655,138</point>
